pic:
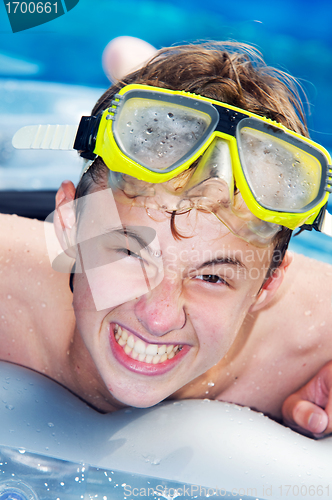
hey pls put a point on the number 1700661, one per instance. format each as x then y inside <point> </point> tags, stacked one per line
<point>32,7</point>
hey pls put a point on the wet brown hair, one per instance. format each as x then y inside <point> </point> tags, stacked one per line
<point>229,72</point>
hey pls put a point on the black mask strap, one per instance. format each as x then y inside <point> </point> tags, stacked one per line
<point>71,278</point>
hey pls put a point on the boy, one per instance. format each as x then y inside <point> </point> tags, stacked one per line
<point>179,239</point>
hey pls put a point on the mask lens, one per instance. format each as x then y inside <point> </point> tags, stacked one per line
<point>281,176</point>
<point>159,134</point>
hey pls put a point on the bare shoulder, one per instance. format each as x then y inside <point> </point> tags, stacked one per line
<point>303,303</point>
<point>23,253</point>
<point>25,268</point>
<point>34,299</point>
<point>309,282</point>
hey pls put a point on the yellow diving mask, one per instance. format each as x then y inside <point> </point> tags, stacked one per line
<point>253,173</point>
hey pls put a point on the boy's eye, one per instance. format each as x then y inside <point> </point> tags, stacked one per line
<point>211,278</point>
<point>129,252</point>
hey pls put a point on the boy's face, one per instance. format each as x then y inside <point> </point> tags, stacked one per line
<point>151,328</point>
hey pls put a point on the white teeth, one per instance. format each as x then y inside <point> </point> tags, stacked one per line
<point>130,341</point>
<point>127,349</point>
<point>137,349</point>
<point>151,349</point>
<point>161,350</point>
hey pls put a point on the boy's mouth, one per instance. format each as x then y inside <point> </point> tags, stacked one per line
<point>137,349</point>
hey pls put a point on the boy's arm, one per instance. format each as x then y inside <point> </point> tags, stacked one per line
<point>309,410</point>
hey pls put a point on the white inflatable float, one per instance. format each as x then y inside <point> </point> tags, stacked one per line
<point>53,446</point>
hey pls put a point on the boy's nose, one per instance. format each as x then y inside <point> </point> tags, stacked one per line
<point>162,309</point>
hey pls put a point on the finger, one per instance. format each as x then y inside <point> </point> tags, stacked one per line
<point>300,414</point>
<point>328,411</point>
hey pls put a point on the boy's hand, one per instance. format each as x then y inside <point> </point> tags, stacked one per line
<point>309,410</point>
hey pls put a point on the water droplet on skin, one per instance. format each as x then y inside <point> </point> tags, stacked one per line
<point>307,313</point>
<point>43,304</point>
<point>9,297</point>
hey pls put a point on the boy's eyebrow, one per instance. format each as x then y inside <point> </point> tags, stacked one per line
<point>223,260</point>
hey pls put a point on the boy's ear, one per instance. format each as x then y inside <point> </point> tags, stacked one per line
<point>65,218</point>
<point>272,284</point>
